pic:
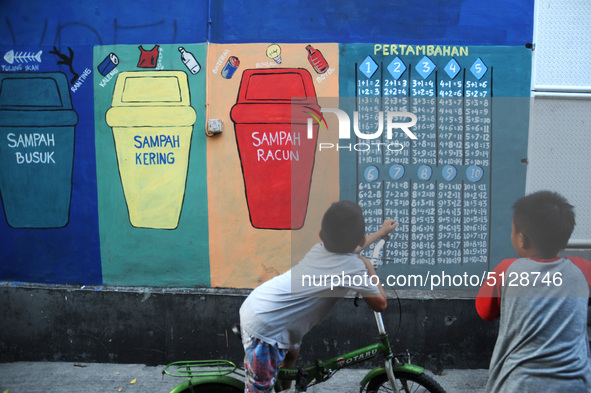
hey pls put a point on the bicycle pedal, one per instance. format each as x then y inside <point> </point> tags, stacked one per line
<point>301,380</point>
<point>236,330</point>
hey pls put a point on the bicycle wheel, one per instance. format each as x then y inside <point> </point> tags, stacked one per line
<point>212,388</point>
<point>407,383</point>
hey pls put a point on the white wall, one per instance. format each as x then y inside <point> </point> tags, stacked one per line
<point>559,151</point>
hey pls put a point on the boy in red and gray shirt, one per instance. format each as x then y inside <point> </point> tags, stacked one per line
<point>542,302</point>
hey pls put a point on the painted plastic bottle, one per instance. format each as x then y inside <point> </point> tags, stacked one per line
<point>317,60</point>
<point>190,61</point>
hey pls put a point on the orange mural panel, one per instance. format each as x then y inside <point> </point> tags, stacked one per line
<point>267,182</point>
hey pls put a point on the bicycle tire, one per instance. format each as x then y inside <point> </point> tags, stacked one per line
<point>406,383</point>
<point>212,388</point>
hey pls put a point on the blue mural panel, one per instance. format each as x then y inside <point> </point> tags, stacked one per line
<point>50,230</point>
<point>48,224</point>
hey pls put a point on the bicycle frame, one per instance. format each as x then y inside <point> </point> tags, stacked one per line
<point>226,372</point>
<point>204,372</point>
<point>220,371</point>
<point>322,370</point>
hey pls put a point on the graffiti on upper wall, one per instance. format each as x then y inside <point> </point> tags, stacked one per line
<point>110,30</point>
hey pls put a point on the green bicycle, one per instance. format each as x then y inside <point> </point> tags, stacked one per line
<point>222,376</point>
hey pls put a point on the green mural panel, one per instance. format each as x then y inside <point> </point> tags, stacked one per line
<point>151,164</point>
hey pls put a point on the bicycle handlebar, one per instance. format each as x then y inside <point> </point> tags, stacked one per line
<point>377,249</point>
<point>375,256</point>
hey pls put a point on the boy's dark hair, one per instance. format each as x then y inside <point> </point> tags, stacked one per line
<point>547,219</point>
<point>343,227</point>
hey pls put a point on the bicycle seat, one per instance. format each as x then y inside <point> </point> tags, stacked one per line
<point>236,330</point>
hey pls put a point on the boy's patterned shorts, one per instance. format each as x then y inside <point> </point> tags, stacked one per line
<point>261,363</point>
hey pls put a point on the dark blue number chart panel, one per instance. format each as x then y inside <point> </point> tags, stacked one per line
<point>451,188</point>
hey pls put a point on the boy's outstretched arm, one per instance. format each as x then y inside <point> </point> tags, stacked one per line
<point>387,227</point>
<point>376,302</point>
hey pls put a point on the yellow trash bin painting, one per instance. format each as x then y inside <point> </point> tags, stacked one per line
<point>152,121</point>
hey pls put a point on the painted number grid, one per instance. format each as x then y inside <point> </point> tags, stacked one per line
<point>438,186</point>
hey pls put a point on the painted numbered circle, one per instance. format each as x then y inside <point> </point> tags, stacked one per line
<point>474,173</point>
<point>425,172</point>
<point>449,172</point>
<point>371,173</point>
<point>396,171</point>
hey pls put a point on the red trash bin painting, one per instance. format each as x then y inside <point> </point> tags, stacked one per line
<point>276,154</point>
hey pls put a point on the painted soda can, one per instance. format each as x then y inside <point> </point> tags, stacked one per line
<point>108,64</point>
<point>230,67</point>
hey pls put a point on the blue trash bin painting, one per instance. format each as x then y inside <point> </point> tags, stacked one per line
<point>37,124</point>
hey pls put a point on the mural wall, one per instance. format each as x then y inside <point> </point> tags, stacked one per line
<point>185,146</point>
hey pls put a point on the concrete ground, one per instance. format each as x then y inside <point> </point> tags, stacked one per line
<point>62,377</point>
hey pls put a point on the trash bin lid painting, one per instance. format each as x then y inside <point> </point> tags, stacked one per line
<point>277,157</point>
<point>22,92</point>
<point>152,121</point>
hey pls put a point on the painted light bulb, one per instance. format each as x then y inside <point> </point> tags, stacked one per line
<point>274,52</point>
